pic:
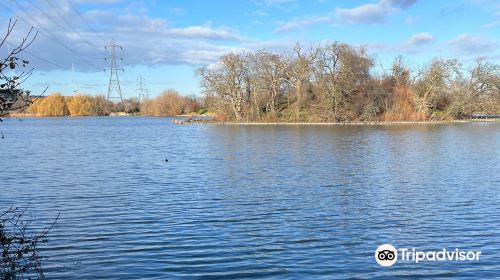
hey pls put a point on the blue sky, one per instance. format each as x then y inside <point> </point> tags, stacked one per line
<point>165,41</point>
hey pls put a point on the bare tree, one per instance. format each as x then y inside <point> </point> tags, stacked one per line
<point>400,72</point>
<point>335,83</point>
<point>12,97</point>
<point>485,78</point>
<point>340,72</point>
<point>478,90</point>
<point>434,82</point>
<point>268,72</point>
<point>229,81</point>
<point>299,71</point>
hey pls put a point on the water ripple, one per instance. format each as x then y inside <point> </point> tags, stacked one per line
<point>254,202</point>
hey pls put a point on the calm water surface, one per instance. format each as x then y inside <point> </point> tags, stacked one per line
<point>271,202</point>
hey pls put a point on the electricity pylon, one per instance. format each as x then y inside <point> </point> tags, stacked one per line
<point>114,89</point>
<point>141,88</point>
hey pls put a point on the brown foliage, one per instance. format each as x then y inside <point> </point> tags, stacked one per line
<point>53,105</point>
<point>402,108</point>
<point>79,105</point>
<point>169,103</point>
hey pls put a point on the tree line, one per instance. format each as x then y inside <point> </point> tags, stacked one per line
<point>330,83</point>
<point>336,83</point>
<point>168,103</point>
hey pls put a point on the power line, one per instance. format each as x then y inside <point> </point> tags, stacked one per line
<point>85,20</point>
<point>66,22</point>
<point>131,78</point>
<point>36,56</point>
<point>114,82</point>
<point>129,73</point>
<point>62,26</point>
<point>46,32</point>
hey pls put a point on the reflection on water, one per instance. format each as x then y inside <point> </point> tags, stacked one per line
<point>302,202</point>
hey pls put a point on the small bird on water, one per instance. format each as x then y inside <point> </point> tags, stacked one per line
<point>166,160</point>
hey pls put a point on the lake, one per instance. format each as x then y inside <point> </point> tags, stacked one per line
<point>266,202</point>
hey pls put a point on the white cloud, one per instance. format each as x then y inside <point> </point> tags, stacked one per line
<point>145,40</point>
<point>372,13</point>
<point>418,42</point>
<point>411,20</point>
<point>178,11</point>
<point>369,13</point>
<point>403,4</point>
<point>492,24</point>
<point>303,22</point>
<point>468,44</point>
<point>204,32</point>
<point>278,2</point>
<point>363,14</point>
<point>421,39</point>
<point>259,13</point>
<point>464,46</point>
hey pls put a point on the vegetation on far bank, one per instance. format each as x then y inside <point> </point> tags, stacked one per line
<point>332,83</point>
<point>169,103</point>
<point>336,83</point>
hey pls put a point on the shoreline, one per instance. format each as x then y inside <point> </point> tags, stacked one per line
<point>352,123</point>
<point>203,120</point>
<point>114,114</point>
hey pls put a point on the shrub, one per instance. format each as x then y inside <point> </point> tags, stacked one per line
<point>20,254</point>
